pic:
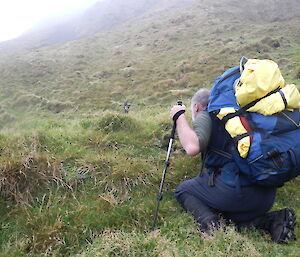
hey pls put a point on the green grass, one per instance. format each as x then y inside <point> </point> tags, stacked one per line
<point>108,210</point>
<point>78,177</point>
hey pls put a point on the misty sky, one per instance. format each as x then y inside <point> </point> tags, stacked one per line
<point>17,16</point>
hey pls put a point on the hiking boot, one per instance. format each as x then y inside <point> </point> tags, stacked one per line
<point>210,225</point>
<point>282,225</point>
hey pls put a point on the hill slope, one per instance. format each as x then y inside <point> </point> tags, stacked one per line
<point>159,55</point>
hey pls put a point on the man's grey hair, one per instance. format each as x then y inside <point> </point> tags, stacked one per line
<point>201,98</point>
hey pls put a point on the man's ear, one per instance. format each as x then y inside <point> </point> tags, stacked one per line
<point>196,108</point>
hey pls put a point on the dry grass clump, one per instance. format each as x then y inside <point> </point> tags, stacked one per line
<point>57,106</point>
<point>283,62</point>
<point>297,73</point>
<point>21,179</point>
<point>51,236</point>
<point>121,174</point>
<point>186,67</point>
<point>229,243</point>
<point>113,122</point>
<point>32,100</point>
<point>165,84</point>
<point>159,243</point>
<point>272,42</point>
<point>256,48</point>
<point>191,80</point>
<point>119,243</point>
<point>179,93</point>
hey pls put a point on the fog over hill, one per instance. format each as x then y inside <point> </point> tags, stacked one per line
<point>108,14</point>
<point>102,16</point>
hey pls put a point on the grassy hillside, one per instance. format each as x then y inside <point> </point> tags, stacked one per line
<point>80,178</point>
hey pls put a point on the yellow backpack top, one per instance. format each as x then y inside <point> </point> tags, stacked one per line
<point>258,80</point>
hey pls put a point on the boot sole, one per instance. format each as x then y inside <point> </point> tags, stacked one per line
<point>288,233</point>
<point>291,218</point>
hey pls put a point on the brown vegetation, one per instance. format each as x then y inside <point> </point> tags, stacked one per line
<point>22,178</point>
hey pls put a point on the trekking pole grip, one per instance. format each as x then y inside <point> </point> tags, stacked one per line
<point>175,117</point>
<point>179,102</point>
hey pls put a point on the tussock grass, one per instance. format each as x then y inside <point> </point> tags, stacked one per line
<point>22,179</point>
<point>131,244</point>
<point>158,243</point>
<point>113,122</point>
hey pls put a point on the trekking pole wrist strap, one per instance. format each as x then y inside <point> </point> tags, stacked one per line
<point>177,114</point>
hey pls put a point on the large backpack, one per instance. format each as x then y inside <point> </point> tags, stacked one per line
<point>267,146</point>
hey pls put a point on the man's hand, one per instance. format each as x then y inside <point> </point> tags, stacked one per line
<point>175,109</point>
<point>186,134</point>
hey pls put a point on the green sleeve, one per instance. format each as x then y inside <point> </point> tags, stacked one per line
<point>202,126</point>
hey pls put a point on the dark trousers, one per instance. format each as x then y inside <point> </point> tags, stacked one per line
<point>203,201</point>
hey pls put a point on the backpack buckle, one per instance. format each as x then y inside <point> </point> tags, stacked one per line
<point>274,154</point>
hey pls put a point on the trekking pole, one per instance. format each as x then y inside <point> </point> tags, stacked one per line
<point>160,193</point>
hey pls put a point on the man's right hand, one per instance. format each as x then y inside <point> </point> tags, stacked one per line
<point>175,109</point>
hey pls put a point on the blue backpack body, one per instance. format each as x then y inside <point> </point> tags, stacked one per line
<point>274,156</point>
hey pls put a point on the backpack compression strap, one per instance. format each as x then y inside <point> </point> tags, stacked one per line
<point>237,124</point>
<point>248,106</point>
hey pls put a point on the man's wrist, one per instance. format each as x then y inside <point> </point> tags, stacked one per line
<point>177,114</point>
